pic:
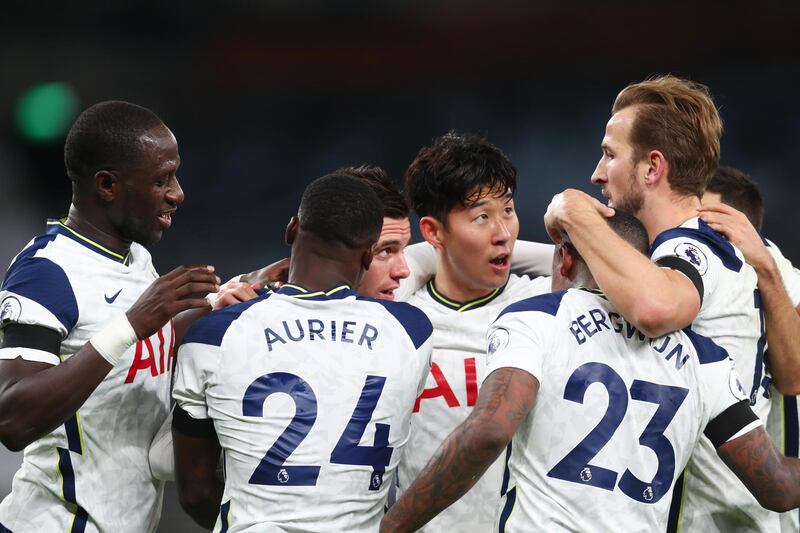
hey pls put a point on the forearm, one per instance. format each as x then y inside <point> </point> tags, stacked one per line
<point>37,403</point>
<point>452,471</point>
<point>773,479</point>
<point>202,502</point>
<point>783,329</point>
<point>645,294</point>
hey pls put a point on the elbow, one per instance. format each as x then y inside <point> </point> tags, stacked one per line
<point>788,388</point>
<point>196,502</point>
<point>13,437</point>
<point>777,503</point>
<point>656,318</point>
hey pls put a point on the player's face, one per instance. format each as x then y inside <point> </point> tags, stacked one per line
<point>617,174</point>
<point>150,189</point>
<point>478,240</point>
<point>388,265</point>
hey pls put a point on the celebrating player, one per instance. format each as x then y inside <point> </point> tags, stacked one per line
<point>85,364</point>
<point>308,390</point>
<point>560,362</point>
<point>660,149</point>
<point>462,187</point>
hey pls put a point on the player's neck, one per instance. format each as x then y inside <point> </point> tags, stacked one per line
<point>97,229</point>
<point>454,287</point>
<point>313,267</point>
<point>664,212</point>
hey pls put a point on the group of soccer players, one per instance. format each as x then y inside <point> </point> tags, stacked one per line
<point>619,381</point>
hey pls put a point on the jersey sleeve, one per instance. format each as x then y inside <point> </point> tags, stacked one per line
<point>532,258</point>
<point>196,362</point>
<point>789,274</point>
<point>697,257</point>
<point>421,260</point>
<point>515,340</point>
<point>36,291</point>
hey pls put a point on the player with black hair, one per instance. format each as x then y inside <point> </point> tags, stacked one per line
<point>557,363</point>
<point>308,390</point>
<point>88,332</point>
<point>462,187</point>
<point>737,189</point>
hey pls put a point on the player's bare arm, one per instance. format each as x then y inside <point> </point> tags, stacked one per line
<point>199,488</point>
<point>772,478</point>
<point>35,397</point>
<point>780,316</point>
<point>624,274</point>
<point>505,399</point>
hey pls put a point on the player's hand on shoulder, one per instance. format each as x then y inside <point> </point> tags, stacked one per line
<point>735,226</point>
<point>565,206</point>
<point>234,292</point>
<point>172,293</point>
<point>272,276</point>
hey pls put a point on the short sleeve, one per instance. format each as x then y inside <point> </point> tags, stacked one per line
<point>515,340</point>
<point>789,274</point>
<point>36,291</point>
<point>196,362</point>
<point>693,257</point>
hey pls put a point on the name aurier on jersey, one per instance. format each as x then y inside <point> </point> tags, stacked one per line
<point>584,327</point>
<point>313,329</point>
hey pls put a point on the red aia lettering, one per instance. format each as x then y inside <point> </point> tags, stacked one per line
<point>145,356</point>
<point>444,390</point>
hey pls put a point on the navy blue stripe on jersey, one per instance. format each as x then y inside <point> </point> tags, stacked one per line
<point>334,293</point>
<point>73,434</point>
<point>4,529</point>
<point>224,511</point>
<point>546,303</point>
<point>764,240</point>
<point>791,433</point>
<point>674,517</point>
<point>416,323</point>
<point>715,241</point>
<point>506,472</point>
<point>68,490</point>
<point>44,282</point>
<point>211,328</point>
<point>707,350</point>
<point>511,498</point>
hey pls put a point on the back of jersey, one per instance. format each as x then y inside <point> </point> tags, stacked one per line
<point>311,398</point>
<point>616,417</point>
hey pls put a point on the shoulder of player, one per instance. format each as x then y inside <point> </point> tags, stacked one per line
<point>548,303</point>
<point>416,323</point>
<point>694,242</point>
<point>707,350</point>
<point>211,328</point>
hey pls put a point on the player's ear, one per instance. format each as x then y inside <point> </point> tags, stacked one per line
<point>366,258</point>
<point>291,230</point>
<point>567,261</point>
<point>431,230</point>
<point>106,183</point>
<point>657,167</point>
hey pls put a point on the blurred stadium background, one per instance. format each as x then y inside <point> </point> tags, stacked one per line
<point>265,96</point>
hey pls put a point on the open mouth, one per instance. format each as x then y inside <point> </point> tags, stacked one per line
<point>165,219</point>
<point>386,294</point>
<point>500,262</point>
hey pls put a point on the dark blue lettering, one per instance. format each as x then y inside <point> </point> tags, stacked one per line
<point>614,318</point>
<point>585,325</point>
<point>315,330</point>
<point>300,331</point>
<point>369,334</point>
<point>576,331</point>
<point>347,329</point>
<point>272,337</point>
<point>599,319</point>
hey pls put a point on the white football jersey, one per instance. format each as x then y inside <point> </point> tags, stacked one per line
<point>310,394</point>
<point>731,315</point>
<point>783,423</point>
<point>459,359</point>
<point>91,474</point>
<point>616,417</point>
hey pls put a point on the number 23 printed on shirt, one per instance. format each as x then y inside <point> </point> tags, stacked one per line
<point>575,466</point>
<point>272,469</point>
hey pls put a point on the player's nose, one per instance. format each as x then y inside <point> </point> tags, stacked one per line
<point>175,192</point>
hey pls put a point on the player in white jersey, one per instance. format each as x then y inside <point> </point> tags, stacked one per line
<point>602,417</point>
<point>86,356</point>
<point>660,149</point>
<point>307,391</point>
<point>462,188</point>
<point>779,285</point>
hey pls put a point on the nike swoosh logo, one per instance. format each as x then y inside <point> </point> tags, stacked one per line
<point>111,300</point>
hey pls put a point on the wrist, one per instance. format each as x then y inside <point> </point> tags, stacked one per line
<point>114,339</point>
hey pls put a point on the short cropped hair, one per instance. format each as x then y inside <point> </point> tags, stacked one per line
<point>677,117</point>
<point>341,209</point>
<point>738,189</point>
<point>394,205</point>
<point>453,171</point>
<point>106,136</point>
<point>630,229</point>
